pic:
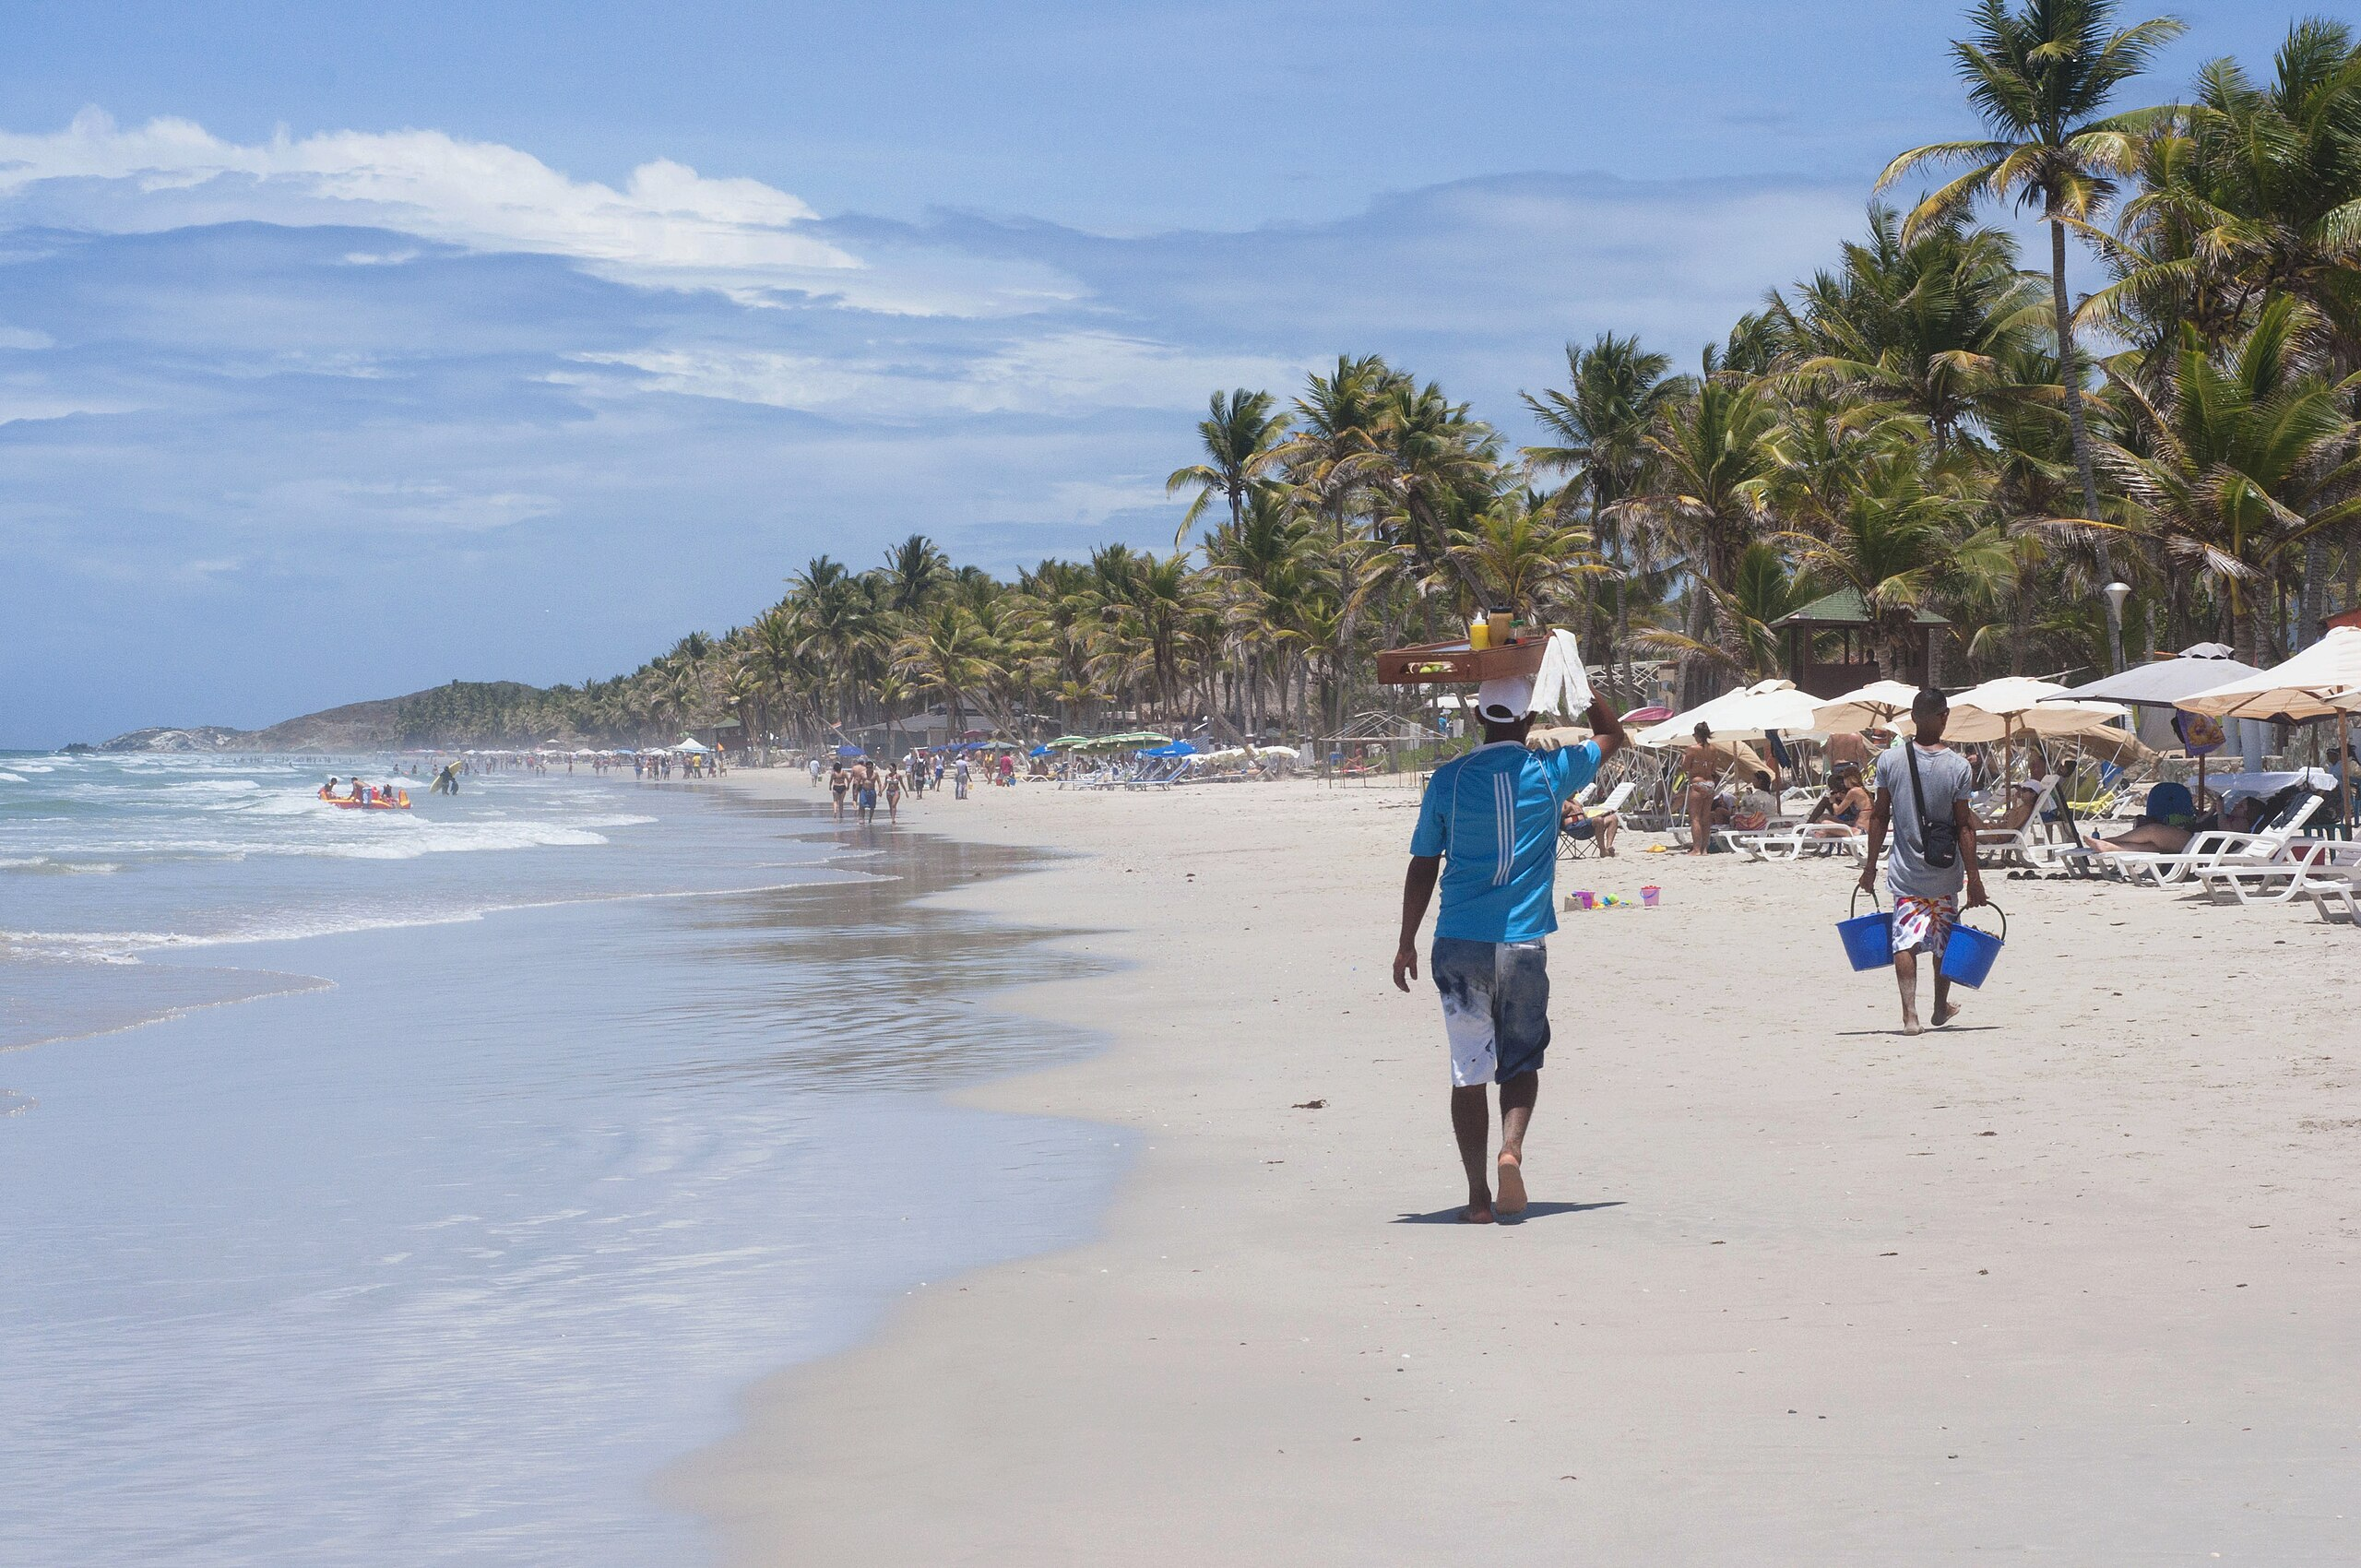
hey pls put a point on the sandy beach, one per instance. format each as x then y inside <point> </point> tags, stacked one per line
<point>2072,1279</point>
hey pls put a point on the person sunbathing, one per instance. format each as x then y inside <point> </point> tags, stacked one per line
<point>2022,798</point>
<point>2168,823</point>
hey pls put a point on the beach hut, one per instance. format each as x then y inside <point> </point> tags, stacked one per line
<point>1832,644</point>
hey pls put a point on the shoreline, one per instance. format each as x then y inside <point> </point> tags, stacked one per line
<point>1793,1290</point>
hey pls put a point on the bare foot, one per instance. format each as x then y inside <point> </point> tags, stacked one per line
<point>1511,1180</point>
<point>1911,1026</point>
<point>1946,1013</point>
<point>1476,1213</point>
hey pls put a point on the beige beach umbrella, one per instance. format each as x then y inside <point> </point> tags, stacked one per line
<point>2016,707</point>
<point>1873,707</point>
<point>2322,682</point>
<point>2307,686</point>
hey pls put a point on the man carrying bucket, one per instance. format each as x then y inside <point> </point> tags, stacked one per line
<point>1494,814</point>
<point>1920,783</point>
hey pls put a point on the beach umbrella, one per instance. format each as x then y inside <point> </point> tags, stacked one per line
<point>851,752</point>
<point>2322,682</point>
<point>1873,707</point>
<point>2307,686</point>
<point>2009,708</point>
<point>1175,748</point>
<point>2016,707</point>
<point>1747,714</point>
<point>2162,682</point>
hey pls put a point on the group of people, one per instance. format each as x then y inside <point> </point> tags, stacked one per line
<point>1487,839</point>
<point>361,795</point>
<point>865,785</point>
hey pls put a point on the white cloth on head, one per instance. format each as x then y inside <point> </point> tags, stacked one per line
<point>1562,685</point>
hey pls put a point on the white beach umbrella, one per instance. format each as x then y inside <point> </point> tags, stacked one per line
<point>2016,707</point>
<point>2309,685</point>
<point>1873,707</point>
<point>1747,714</point>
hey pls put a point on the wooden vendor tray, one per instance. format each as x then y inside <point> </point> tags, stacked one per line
<point>1456,664</point>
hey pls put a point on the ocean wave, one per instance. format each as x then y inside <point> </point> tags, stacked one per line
<point>375,841</point>
<point>45,865</point>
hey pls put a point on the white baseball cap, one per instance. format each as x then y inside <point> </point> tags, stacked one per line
<point>1504,699</point>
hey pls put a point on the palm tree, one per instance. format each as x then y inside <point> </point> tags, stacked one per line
<point>1597,430</point>
<point>2039,78</point>
<point>1891,544</point>
<point>1924,324</point>
<point>916,570</point>
<point>2247,455</point>
<point>945,653</point>
<point>1715,460</point>
<point>1240,435</point>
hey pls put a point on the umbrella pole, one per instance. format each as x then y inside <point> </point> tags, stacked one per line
<point>2343,778</point>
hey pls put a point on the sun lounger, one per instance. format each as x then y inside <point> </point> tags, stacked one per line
<point>2300,865</point>
<point>2021,845</point>
<point>2210,849</point>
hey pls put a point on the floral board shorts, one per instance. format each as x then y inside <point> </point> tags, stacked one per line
<point>1922,925</point>
<point>1495,1007</point>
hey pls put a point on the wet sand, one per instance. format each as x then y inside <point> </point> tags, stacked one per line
<point>2073,1278</point>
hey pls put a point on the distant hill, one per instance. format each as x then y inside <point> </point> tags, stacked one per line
<point>465,713</point>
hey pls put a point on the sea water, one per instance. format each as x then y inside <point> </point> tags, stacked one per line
<point>395,1188</point>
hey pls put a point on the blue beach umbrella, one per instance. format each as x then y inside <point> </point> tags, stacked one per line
<point>851,752</point>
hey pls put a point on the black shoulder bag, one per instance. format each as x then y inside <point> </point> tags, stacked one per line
<point>1938,841</point>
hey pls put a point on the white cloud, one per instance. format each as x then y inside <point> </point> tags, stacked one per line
<point>1064,372</point>
<point>667,225</point>
<point>333,504</point>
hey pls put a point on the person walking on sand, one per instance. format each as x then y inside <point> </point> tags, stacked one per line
<point>865,791</point>
<point>959,780</point>
<point>839,782</point>
<point>1923,787</point>
<point>1487,833</point>
<point>893,792</point>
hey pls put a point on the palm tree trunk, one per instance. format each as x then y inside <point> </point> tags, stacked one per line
<point>2313,607</point>
<point>2070,376</point>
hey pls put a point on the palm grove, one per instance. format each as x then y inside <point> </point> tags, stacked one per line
<point>1933,422</point>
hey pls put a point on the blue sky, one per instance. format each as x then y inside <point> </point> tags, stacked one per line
<point>346,351</point>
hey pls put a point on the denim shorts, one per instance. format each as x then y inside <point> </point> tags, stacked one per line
<point>1495,1007</point>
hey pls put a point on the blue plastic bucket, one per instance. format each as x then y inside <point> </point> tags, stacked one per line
<point>1968,955</point>
<point>1869,939</point>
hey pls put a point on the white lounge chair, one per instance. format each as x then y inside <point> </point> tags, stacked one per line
<point>2023,844</point>
<point>2299,867</point>
<point>2210,849</point>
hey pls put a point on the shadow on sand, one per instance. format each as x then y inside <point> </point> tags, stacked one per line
<point>1532,1211</point>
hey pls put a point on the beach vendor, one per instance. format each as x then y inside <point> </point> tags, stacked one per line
<point>1923,788</point>
<point>1487,834</point>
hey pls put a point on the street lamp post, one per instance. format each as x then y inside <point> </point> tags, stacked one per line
<point>2115,594</point>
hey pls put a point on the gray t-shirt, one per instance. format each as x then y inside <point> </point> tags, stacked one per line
<point>1943,776</point>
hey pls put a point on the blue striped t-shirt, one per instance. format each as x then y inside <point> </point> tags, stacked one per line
<point>1493,815</point>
